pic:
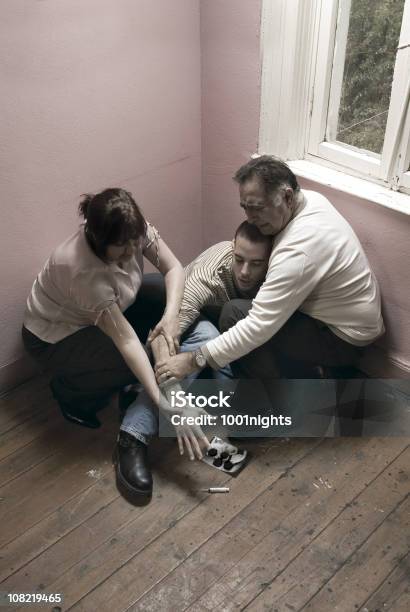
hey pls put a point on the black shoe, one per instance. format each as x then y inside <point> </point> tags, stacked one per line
<point>80,417</point>
<point>131,466</point>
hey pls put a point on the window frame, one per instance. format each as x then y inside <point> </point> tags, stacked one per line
<point>298,56</point>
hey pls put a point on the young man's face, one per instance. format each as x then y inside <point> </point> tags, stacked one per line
<point>249,265</point>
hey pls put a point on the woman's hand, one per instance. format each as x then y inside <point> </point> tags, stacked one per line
<point>169,328</point>
<point>177,366</point>
<point>190,437</point>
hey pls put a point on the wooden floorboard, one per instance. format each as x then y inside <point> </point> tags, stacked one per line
<point>313,525</point>
<point>334,572</point>
<point>19,405</point>
<point>394,590</point>
<point>301,511</point>
<point>208,516</point>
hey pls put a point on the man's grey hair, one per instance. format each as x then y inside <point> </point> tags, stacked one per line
<point>271,171</point>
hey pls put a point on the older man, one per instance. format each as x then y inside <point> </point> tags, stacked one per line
<point>320,302</point>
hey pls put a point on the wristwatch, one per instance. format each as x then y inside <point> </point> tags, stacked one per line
<point>199,358</point>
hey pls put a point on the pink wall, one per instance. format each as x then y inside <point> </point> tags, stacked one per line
<point>96,93</point>
<point>230,106</point>
<point>384,235</point>
<point>102,93</point>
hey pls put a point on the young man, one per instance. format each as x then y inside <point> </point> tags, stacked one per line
<point>225,272</point>
<point>221,275</point>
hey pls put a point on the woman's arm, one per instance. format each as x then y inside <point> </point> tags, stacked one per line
<point>113,323</point>
<point>161,256</point>
<point>186,436</point>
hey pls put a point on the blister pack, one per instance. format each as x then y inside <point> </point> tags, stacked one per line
<point>225,457</point>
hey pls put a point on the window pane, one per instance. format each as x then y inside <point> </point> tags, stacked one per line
<point>373,36</point>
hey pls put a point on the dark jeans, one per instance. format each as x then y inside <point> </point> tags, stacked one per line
<point>301,345</point>
<point>86,367</point>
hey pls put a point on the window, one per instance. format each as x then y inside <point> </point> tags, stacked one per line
<point>336,85</point>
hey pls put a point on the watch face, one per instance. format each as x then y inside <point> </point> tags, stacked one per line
<point>200,359</point>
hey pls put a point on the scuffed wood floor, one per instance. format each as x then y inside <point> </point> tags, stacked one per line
<point>313,525</point>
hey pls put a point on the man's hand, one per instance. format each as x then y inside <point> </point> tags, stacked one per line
<point>169,328</point>
<point>177,366</point>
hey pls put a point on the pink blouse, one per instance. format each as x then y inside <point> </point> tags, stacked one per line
<point>75,287</point>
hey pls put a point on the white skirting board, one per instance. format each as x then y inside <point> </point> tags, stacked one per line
<point>16,373</point>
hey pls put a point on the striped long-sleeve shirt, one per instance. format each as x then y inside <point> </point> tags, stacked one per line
<point>208,282</point>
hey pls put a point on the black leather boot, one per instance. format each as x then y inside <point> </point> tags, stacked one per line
<point>131,466</point>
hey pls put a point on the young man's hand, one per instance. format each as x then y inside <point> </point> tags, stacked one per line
<point>168,327</point>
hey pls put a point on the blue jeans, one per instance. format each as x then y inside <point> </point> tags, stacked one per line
<point>141,418</point>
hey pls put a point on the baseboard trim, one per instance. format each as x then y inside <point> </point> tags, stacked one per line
<point>379,364</point>
<point>16,373</point>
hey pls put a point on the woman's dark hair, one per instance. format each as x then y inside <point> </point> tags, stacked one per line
<point>271,171</point>
<point>112,217</point>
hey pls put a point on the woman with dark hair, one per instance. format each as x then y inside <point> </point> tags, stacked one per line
<point>83,323</point>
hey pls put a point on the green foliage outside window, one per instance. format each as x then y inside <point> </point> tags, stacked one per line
<point>373,36</point>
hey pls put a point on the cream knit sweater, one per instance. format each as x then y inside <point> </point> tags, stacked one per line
<point>317,266</point>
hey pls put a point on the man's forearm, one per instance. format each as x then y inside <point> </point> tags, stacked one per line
<point>160,351</point>
<point>197,295</point>
<point>159,348</point>
<point>174,284</point>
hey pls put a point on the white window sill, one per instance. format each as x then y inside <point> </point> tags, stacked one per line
<point>358,187</point>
